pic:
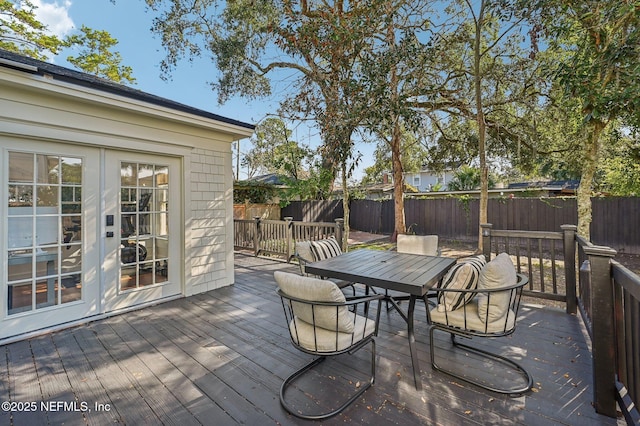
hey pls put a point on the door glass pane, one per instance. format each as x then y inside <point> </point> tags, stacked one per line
<point>71,170</point>
<point>71,260</point>
<point>70,289</point>
<point>47,196</point>
<point>47,230</point>
<point>72,229</point>
<point>20,232</point>
<point>128,174</point>
<point>48,169</point>
<point>20,167</point>
<point>20,196</point>
<point>20,265</point>
<point>145,175</point>
<point>19,297</point>
<point>45,256</point>
<point>71,197</point>
<point>143,195</point>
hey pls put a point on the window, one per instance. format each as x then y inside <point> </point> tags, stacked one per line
<point>44,231</point>
<point>144,224</point>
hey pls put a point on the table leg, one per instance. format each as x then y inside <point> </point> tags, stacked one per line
<point>412,343</point>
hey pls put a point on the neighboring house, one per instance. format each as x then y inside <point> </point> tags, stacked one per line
<point>552,188</point>
<point>425,180</point>
<point>115,198</point>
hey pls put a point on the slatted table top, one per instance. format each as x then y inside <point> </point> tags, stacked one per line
<point>409,273</point>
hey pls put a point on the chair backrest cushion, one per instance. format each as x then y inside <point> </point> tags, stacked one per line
<point>426,245</point>
<point>463,275</point>
<point>303,250</point>
<point>498,273</point>
<point>324,249</point>
<point>334,318</point>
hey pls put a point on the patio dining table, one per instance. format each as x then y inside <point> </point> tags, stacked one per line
<point>407,273</point>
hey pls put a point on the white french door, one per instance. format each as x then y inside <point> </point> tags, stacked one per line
<point>50,253</point>
<point>142,237</point>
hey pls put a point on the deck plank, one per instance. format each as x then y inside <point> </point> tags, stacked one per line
<point>220,357</point>
<point>24,386</point>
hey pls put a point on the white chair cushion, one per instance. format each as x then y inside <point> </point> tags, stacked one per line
<point>322,340</point>
<point>324,249</point>
<point>500,272</point>
<point>463,275</point>
<point>457,319</point>
<point>303,249</point>
<point>316,290</point>
<point>426,245</point>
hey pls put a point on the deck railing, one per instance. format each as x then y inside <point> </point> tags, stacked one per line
<point>606,293</point>
<point>278,237</point>
<point>547,258</point>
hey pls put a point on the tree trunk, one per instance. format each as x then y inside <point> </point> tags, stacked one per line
<point>345,206</point>
<point>482,128</point>
<point>396,142</point>
<point>590,166</point>
<point>398,186</point>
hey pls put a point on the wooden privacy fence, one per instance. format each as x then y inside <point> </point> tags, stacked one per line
<point>606,294</point>
<point>615,219</point>
<point>278,237</point>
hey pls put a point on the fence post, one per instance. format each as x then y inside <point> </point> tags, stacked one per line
<point>486,240</point>
<point>289,221</point>
<point>569,245</point>
<point>340,233</point>
<point>256,236</point>
<point>603,331</point>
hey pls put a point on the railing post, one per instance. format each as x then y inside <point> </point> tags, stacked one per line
<point>340,233</point>
<point>256,236</point>
<point>486,240</point>
<point>569,243</point>
<point>602,323</point>
<point>289,224</point>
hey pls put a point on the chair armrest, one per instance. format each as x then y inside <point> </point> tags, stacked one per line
<point>301,263</point>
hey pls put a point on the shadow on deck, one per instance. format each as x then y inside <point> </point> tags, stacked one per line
<point>220,358</point>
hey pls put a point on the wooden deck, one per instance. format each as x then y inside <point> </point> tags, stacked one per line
<point>219,358</point>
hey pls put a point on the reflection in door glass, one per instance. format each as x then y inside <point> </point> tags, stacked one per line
<point>45,241</point>
<point>144,189</point>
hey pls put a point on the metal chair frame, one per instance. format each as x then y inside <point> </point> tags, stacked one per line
<point>357,342</point>
<point>466,332</point>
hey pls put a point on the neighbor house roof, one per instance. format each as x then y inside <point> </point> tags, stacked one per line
<point>268,179</point>
<point>34,66</point>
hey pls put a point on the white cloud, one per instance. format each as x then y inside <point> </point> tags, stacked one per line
<point>55,16</point>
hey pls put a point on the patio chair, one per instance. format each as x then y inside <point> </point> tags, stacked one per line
<point>314,251</point>
<point>325,323</point>
<point>490,310</point>
<point>426,245</point>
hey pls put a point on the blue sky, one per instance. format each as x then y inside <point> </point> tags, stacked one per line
<point>129,23</point>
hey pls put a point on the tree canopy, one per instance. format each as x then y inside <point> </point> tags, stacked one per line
<point>540,86</point>
<point>21,32</point>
